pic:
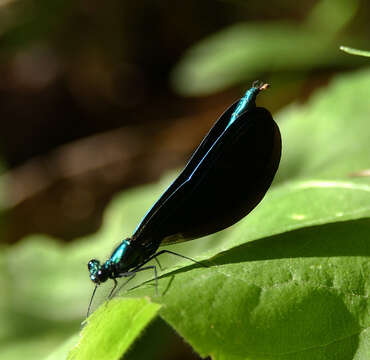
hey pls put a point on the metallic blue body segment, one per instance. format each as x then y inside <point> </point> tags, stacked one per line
<point>245,102</point>
<point>119,252</point>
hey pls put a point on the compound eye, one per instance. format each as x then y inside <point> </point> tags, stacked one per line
<point>93,264</point>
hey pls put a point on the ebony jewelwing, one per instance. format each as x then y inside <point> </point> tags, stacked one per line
<point>225,178</point>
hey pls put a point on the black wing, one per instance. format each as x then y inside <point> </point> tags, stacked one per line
<point>190,166</point>
<point>227,176</point>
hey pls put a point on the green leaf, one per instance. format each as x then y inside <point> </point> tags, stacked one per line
<point>330,135</point>
<point>112,329</point>
<point>235,55</point>
<point>341,12</point>
<point>243,51</point>
<point>299,295</point>
<point>353,51</point>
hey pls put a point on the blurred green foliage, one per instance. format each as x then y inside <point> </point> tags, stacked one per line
<point>248,50</point>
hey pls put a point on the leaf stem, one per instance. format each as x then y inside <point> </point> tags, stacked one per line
<point>353,51</point>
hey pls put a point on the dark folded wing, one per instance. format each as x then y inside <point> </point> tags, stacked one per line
<point>197,155</point>
<point>225,179</point>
